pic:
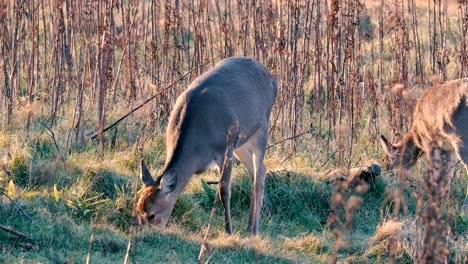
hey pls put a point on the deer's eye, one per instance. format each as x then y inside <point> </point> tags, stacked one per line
<point>151,217</point>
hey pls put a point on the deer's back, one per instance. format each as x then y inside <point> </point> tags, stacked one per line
<point>236,92</point>
<point>439,113</point>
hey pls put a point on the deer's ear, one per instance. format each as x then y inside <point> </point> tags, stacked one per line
<point>397,138</point>
<point>386,146</point>
<point>145,174</point>
<point>169,181</point>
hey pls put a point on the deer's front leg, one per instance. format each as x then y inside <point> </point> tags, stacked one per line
<point>225,190</point>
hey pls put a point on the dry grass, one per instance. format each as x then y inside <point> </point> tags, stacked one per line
<point>386,230</point>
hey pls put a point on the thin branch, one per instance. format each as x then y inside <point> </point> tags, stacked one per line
<point>52,135</point>
<point>290,138</point>
<point>94,134</point>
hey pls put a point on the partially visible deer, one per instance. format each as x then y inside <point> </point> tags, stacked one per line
<point>225,111</point>
<point>440,117</point>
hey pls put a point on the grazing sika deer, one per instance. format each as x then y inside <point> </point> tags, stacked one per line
<point>440,117</point>
<point>225,111</point>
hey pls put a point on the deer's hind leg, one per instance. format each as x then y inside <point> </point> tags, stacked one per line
<point>258,148</point>
<point>244,154</point>
<point>460,142</point>
<point>251,154</point>
<point>454,161</point>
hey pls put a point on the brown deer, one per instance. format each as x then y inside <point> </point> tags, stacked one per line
<point>440,117</point>
<point>224,112</point>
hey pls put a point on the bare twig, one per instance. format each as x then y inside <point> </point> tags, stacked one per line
<point>52,135</point>
<point>205,247</point>
<point>132,227</point>
<point>91,240</point>
<point>129,245</point>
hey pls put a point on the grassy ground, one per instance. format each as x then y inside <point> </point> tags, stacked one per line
<point>72,197</point>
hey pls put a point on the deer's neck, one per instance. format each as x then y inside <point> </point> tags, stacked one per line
<point>185,167</point>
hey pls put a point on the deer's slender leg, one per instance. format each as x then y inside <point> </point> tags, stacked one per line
<point>225,190</point>
<point>259,180</point>
<point>453,164</point>
<point>463,155</point>
<point>244,154</point>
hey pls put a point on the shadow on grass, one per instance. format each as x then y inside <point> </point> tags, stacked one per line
<point>62,241</point>
<point>295,202</point>
<point>154,247</point>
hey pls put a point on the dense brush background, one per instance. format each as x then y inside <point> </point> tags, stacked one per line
<point>348,71</point>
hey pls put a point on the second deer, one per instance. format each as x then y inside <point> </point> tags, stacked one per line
<point>441,118</point>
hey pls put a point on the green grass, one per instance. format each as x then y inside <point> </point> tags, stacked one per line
<point>86,194</point>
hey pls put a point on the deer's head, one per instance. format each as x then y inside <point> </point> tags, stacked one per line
<point>402,152</point>
<point>157,198</point>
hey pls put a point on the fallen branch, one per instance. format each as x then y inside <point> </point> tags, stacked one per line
<point>14,232</point>
<point>19,207</point>
<point>356,175</point>
<point>94,134</point>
